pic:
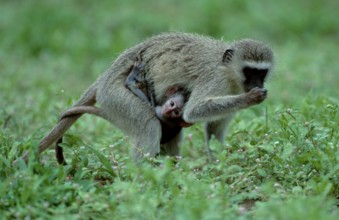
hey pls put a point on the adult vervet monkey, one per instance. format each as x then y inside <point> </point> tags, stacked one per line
<point>221,78</point>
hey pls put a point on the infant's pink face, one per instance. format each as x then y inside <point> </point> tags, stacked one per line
<point>173,107</point>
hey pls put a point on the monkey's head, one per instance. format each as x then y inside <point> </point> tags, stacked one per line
<point>171,111</point>
<point>253,60</point>
<point>173,107</point>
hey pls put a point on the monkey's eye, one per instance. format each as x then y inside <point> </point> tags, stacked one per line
<point>172,103</point>
<point>176,113</point>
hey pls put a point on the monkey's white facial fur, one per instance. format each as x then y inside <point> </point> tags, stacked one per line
<point>257,65</point>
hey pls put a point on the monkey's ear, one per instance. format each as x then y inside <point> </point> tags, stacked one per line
<point>227,57</point>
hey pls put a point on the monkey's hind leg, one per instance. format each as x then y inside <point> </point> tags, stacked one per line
<point>133,116</point>
<point>171,148</point>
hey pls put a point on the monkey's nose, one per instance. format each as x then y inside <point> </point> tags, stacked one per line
<point>166,112</point>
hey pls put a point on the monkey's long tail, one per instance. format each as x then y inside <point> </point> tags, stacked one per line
<point>55,134</point>
<point>87,99</point>
<point>76,111</point>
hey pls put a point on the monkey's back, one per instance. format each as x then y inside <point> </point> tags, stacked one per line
<point>170,59</point>
<point>178,59</point>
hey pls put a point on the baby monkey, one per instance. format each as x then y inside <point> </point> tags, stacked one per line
<point>169,113</point>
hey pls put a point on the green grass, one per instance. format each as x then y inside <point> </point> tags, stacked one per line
<point>279,161</point>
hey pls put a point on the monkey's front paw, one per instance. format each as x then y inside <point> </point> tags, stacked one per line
<point>257,95</point>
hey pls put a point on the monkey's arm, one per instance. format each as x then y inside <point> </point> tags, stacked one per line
<point>133,79</point>
<point>131,83</point>
<point>136,91</point>
<point>213,108</point>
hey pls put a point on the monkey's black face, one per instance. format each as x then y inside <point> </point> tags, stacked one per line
<point>254,78</point>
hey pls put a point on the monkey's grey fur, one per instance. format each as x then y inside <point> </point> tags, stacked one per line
<point>210,70</point>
